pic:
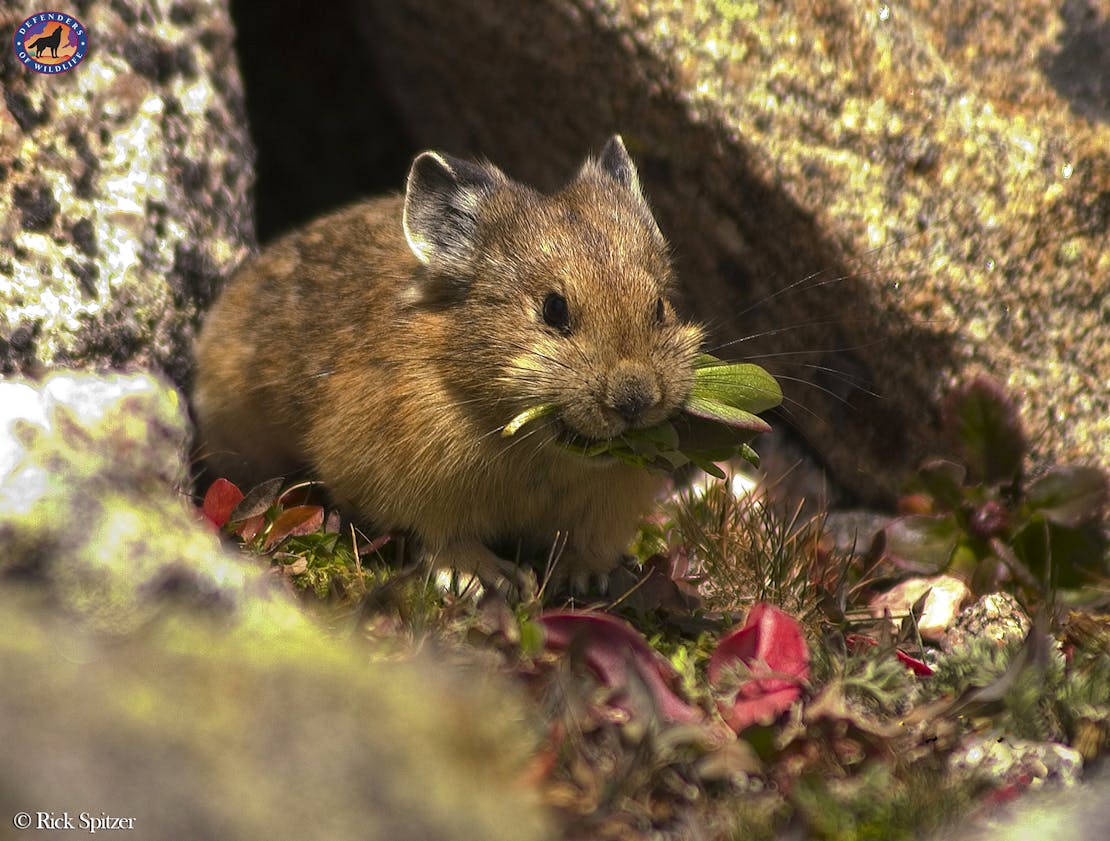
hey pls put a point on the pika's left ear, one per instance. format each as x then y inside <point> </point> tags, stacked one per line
<point>615,162</point>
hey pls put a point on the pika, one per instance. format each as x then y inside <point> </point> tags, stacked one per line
<point>385,347</point>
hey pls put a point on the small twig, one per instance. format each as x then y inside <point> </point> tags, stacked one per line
<point>631,589</point>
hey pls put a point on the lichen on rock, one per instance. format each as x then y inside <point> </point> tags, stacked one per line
<point>151,674</point>
<point>126,190</point>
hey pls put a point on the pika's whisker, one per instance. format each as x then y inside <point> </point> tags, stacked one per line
<point>821,388</point>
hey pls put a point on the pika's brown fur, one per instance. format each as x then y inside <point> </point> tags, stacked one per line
<point>386,346</point>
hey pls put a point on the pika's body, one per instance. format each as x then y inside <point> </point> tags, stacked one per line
<point>386,346</point>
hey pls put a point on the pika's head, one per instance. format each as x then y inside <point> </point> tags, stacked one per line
<point>562,299</point>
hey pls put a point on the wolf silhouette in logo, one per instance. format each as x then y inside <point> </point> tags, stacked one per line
<point>47,42</point>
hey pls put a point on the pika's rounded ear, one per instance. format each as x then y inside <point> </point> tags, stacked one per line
<point>615,162</point>
<point>443,203</point>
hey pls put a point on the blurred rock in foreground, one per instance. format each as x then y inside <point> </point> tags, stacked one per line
<point>152,675</point>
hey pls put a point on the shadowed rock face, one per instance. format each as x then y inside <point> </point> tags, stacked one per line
<point>124,189</point>
<point>148,674</point>
<point>347,143</point>
<point>913,177</point>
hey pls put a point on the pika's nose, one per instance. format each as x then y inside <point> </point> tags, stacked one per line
<point>632,390</point>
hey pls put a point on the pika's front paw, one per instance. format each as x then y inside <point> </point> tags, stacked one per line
<point>584,572</point>
<point>471,558</point>
<point>584,582</point>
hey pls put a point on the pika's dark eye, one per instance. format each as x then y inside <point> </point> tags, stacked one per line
<point>555,312</point>
<point>660,311</point>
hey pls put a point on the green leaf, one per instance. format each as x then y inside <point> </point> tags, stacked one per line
<point>984,424</point>
<point>674,459</point>
<point>531,637</point>
<point>943,480</point>
<point>724,413</point>
<point>748,454</point>
<point>1062,556</point>
<point>526,416</point>
<point>697,433</point>
<point>664,435</point>
<point>709,467</point>
<point>641,442</point>
<point>1070,496</point>
<point>741,386</point>
<point>922,543</point>
<point>715,424</point>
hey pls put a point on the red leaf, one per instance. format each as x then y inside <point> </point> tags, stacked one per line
<point>220,501</point>
<point>1010,790</point>
<point>771,645</point>
<point>918,667</point>
<point>250,527</point>
<point>300,519</point>
<point>858,642</point>
<point>615,652</point>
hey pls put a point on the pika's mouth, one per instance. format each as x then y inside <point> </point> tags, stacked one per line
<point>607,426</point>
<point>596,448</point>
<point>570,440</point>
<point>560,430</point>
<point>568,436</point>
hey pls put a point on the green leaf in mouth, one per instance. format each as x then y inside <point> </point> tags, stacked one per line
<point>742,386</point>
<point>726,414</point>
<point>716,422</point>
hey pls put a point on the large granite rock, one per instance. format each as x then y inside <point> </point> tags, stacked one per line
<point>124,188</point>
<point>886,198</point>
<point>149,675</point>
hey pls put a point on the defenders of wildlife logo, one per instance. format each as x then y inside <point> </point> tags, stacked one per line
<point>51,42</point>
